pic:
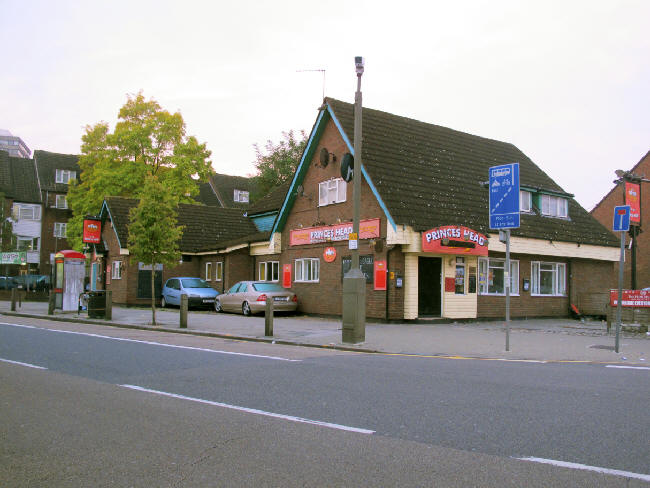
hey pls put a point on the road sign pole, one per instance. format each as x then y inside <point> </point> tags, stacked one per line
<point>507,285</point>
<point>619,304</point>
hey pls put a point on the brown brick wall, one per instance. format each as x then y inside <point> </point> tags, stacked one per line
<point>604,213</point>
<point>50,244</point>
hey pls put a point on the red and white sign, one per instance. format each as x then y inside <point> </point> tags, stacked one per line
<point>454,239</point>
<point>368,229</point>
<point>631,298</point>
<point>92,233</point>
<point>329,255</point>
<point>633,199</point>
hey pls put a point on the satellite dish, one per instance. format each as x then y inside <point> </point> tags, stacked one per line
<point>324,157</point>
<point>347,167</point>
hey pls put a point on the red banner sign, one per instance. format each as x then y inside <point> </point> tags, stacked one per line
<point>454,239</point>
<point>92,233</point>
<point>286,276</point>
<point>633,199</point>
<point>380,275</point>
<point>340,232</point>
<point>631,298</point>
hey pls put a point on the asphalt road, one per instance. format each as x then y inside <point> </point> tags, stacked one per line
<point>136,408</point>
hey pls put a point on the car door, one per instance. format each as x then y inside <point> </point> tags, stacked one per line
<point>227,299</point>
<point>174,297</point>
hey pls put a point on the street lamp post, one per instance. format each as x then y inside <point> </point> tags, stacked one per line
<point>354,282</point>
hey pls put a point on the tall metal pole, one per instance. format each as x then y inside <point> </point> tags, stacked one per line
<point>507,284</point>
<point>619,304</point>
<point>354,282</point>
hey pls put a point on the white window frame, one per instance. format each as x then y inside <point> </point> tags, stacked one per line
<point>58,199</point>
<point>218,271</point>
<point>60,230</point>
<point>553,206</point>
<point>116,270</point>
<point>558,271</point>
<point>484,266</point>
<point>307,270</point>
<point>64,176</point>
<point>30,243</point>
<point>26,212</point>
<point>269,271</point>
<point>241,196</point>
<point>332,191</point>
<point>208,271</point>
<point>525,201</point>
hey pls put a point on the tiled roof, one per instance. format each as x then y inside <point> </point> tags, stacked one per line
<point>18,179</point>
<point>48,162</point>
<point>205,227</point>
<point>225,185</point>
<point>428,176</point>
<point>270,202</point>
<point>206,196</point>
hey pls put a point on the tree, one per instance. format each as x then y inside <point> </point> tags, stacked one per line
<point>278,162</point>
<point>154,233</point>
<point>147,142</point>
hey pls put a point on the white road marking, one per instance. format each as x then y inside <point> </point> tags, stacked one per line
<point>628,367</point>
<point>254,411</point>
<point>21,364</point>
<point>151,343</point>
<point>564,464</point>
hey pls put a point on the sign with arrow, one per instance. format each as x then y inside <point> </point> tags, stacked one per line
<point>504,196</point>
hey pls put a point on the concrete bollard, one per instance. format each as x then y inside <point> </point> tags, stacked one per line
<point>109,304</point>
<point>13,299</point>
<point>183,311</point>
<point>51,301</point>
<point>268,317</point>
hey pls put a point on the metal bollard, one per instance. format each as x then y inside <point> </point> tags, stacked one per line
<point>51,303</point>
<point>183,311</point>
<point>268,317</point>
<point>13,299</point>
<point>109,304</point>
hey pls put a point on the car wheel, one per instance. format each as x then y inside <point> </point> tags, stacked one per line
<point>217,306</point>
<point>246,309</point>
<point>163,303</point>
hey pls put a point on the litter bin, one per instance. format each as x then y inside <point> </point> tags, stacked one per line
<point>96,304</point>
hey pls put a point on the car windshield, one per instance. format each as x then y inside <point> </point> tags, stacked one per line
<point>194,283</point>
<point>267,287</point>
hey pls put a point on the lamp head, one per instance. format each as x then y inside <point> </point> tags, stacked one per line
<point>359,64</point>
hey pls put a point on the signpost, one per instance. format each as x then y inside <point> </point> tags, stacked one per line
<point>504,215</point>
<point>621,224</point>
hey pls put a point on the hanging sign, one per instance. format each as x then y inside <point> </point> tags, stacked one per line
<point>329,255</point>
<point>368,229</point>
<point>454,239</point>
<point>632,198</point>
<point>92,233</point>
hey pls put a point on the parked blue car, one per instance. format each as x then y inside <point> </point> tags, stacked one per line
<point>199,292</point>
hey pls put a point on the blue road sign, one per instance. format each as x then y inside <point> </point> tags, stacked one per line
<point>504,196</point>
<point>621,218</point>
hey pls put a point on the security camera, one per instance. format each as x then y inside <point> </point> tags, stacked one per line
<point>359,62</point>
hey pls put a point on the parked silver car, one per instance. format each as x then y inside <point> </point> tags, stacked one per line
<point>199,292</point>
<point>249,297</point>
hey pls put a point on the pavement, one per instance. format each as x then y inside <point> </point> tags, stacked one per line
<point>550,340</point>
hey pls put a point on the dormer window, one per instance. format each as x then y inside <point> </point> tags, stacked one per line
<point>65,175</point>
<point>554,206</point>
<point>331,191</point>
<point>241,196</point>
<point>525,201</point>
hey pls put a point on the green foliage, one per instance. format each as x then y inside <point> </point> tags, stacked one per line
<point>147,142</point>
<point>154,233</point>
<point>278,162</point>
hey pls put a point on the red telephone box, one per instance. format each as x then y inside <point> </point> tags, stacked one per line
<point>69,273</point>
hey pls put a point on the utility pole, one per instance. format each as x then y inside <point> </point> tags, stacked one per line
<point>354,282</point>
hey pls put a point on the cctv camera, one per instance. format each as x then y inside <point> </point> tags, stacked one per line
<point>359,62</point>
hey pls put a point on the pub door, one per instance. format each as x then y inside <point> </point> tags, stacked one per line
<point>429,287</point>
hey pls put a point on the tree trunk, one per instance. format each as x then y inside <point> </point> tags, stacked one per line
<point>153,294</point>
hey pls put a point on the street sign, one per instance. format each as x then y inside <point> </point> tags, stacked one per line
<point>504,196</point>
<point>621,218</point>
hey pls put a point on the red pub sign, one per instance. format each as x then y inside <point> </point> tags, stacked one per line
<point>633,199</point>
<point>92,233</point>
<point>339,232</point>
<point>454,239</point>
<point>630,298</point>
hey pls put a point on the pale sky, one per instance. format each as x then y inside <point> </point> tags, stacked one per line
<point>567,82</point>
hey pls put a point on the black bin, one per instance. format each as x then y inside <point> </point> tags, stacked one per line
<point>96,305</point>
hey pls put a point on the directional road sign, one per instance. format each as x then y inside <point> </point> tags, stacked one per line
<point>621,218</point>
<point>504,196</point>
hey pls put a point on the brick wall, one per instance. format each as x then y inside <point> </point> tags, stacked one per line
<point>604,213</point>
<point>50,244</point>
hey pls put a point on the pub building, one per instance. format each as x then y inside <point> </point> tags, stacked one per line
<point>425,245</point>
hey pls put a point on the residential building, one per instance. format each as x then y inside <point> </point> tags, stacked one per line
<point>14,145</point>
<point>604,213</point>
